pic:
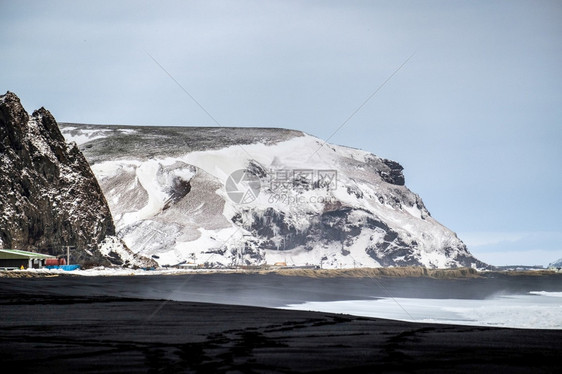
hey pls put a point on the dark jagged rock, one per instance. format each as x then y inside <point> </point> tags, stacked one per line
<point>394,173</point>
<point>50,197</point>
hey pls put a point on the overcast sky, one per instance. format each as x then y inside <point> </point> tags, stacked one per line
<point>474,116</point>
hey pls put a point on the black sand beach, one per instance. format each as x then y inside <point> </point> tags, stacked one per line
<point>52,325</point>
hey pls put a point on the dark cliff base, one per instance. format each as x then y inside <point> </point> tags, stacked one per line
<point>56,334</point>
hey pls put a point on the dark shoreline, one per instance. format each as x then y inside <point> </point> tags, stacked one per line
<point>46,334</point>
<point>358,273</point>
<point>121,324</point>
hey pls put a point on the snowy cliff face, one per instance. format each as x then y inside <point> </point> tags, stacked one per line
<point>49,196</point>
<point>242,196</point>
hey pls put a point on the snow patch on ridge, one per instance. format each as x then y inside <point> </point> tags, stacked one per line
<point>82,135</point>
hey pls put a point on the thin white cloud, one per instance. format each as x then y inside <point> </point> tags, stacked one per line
<point>515,248</point>
<point>528,258</point>
<point>480,239</point>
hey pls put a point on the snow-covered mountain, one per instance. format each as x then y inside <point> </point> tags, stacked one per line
<point>253,196</point>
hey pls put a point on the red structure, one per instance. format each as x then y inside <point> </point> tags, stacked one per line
<point>55,261</point>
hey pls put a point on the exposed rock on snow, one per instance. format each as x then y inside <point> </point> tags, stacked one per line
<point>118,254</point>
<point>50,197</point>
<point>331,206</point>
<point>556,264</point>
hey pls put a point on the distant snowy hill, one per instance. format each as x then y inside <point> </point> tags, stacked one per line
<point>556,264</point>
<point>253,196</point>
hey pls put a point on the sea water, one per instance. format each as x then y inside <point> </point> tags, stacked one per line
<point>535,309</point>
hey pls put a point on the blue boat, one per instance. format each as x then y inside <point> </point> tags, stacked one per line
<point>63,267</point>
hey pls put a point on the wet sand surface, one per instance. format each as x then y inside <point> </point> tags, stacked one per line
<point>53,325</point>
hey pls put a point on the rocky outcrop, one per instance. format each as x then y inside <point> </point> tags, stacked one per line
<point>392,173</point>
<point>49,196</point>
